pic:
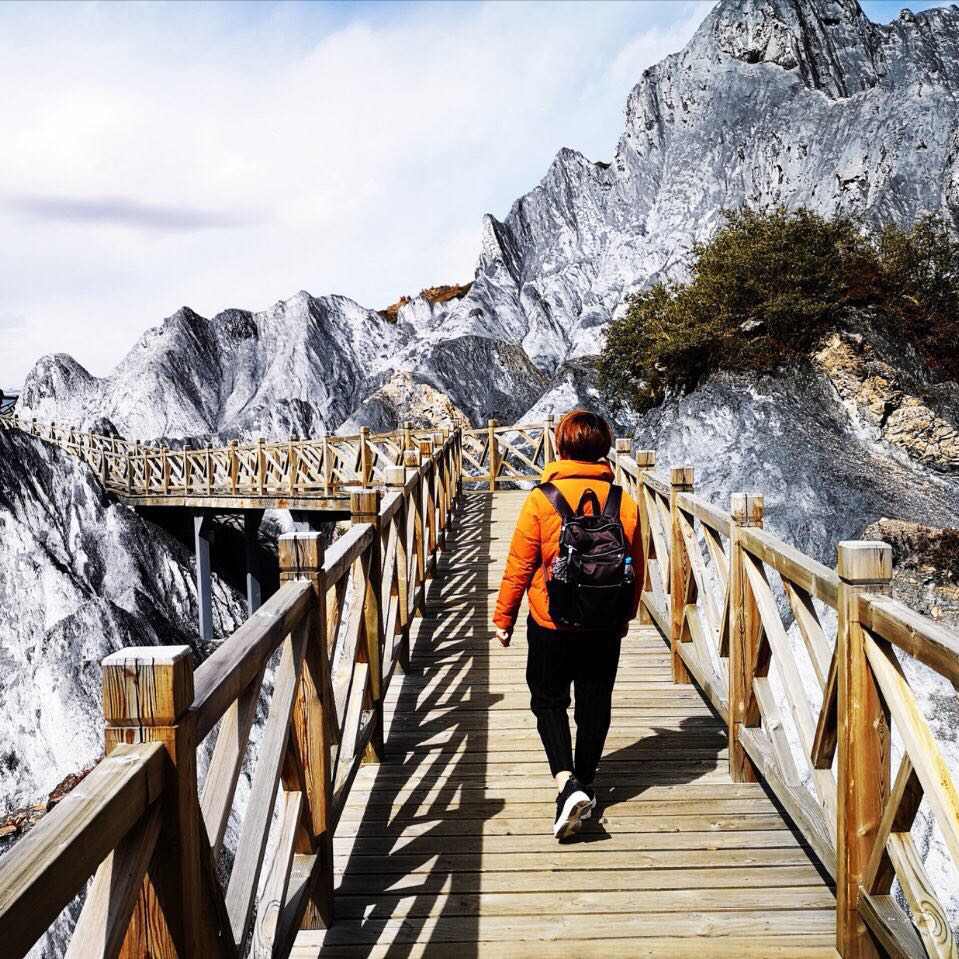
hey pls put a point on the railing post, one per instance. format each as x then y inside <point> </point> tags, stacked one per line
<point>646,461</point>
<point>301,558</point>
<point>745,625</point>
<point>366,465</point>
<point>623,448</point>
<point>260,465</point>
<point>234,466</point>
<point>493,456</point>
<point>165,467</point>
<point>396,481</point>
<point>209,469</point>
<point>681,481</point>
<point>327,465</point>
<point>365,508</point>
<point>407,437</point>
<point>411,461</point>
<point>864,742</point>
<point>429,505</point>
<point>147,694</point>
<point>549,452</point>
<point>187,469</point>
<point>439,489</point>
<point>291,461</point>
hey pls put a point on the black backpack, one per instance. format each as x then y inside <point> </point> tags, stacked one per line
<point>591,583</point>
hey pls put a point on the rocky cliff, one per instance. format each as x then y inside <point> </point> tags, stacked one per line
<point>799,102</point>
<point>80,577</point>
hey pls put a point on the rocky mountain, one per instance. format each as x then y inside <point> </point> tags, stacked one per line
<point>795,102</point>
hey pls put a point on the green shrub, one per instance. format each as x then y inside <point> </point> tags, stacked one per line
<point>763,291</point>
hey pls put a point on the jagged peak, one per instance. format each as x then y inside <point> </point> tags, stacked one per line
<point>832,43</point>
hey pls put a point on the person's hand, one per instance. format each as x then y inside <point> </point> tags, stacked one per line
<point>503,635</point>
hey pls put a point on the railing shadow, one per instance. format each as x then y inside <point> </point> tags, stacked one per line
<point>416,848</point>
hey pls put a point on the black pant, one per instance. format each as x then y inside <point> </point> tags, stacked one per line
<point>588,661</point>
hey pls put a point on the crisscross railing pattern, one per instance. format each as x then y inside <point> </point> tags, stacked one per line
<point>498,455</point>
<point>296,468</point>
<point>807,703</point>
<point>145,826</point>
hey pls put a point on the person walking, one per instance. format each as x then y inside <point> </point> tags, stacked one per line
<point>577,552</point>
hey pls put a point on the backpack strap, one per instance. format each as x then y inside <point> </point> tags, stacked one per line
<point>589,496</point>
<point>557,500</point>
<point>613,501</point>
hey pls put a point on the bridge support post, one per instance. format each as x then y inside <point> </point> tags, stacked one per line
<point>745,627</point>
<point>864,743</point>
<point>680,580</point>
<point>251,527</point>
<point>312,724</point>
<point>202,522</point>
<point>303,521</point>
<point>147,694</point>
<point>365,507</point>
<point>646,461</point>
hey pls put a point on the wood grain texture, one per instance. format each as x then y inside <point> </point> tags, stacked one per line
<point>445,846</point>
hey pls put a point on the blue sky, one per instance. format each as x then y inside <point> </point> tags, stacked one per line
<point>230,154</point>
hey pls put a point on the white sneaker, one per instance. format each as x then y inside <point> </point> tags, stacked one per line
<point>573,805</point>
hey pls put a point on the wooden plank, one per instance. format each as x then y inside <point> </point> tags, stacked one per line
<point>891,926</point>
<point>798,803</point>
<point>922,638</point>
<point>102,926</point>
<point>220,784</point>
<point>401,904</point>
<point>278,876</point>
<point>782,947</point>
<point>920,744</point>
<point>48,867</point>
<point>230,669</point>
<point>817,580</point>
<point>572,928</point>
<point>259,812</point>
<point>709,515</point>
<point>898,816</point>
<point>928,913</point>
<point>827,726</point>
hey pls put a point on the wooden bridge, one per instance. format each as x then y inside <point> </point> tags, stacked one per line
<point>399,802</point>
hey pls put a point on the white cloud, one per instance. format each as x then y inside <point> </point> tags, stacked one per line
<point>224,155</point>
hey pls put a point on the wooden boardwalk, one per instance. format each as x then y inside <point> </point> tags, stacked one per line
<point>445,849</point>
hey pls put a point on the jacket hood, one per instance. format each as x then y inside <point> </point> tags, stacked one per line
<point>577,469</point>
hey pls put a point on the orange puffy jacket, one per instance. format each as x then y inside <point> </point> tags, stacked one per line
<point>535,542</point>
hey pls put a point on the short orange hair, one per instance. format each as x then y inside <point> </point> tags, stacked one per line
<point>582,435</point>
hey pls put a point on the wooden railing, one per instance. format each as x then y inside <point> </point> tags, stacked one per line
<point>152,834</point>
<point>295,468</point>
<point>810,717</point>
<point>493,456</point>
<point>499,455</point>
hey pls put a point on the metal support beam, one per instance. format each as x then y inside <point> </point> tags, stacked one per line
<point>202,523</point>
<point>251,527</point>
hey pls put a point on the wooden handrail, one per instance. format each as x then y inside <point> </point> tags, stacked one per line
<point>341,620</point>
<point>722,613</point>
<point>716,584</point>
<point>50,865</point>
